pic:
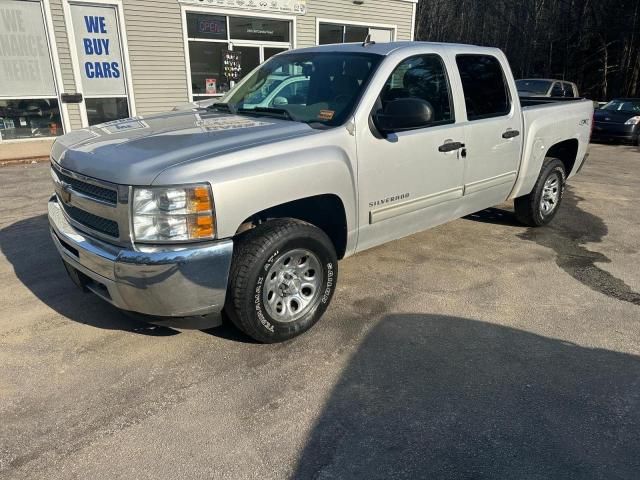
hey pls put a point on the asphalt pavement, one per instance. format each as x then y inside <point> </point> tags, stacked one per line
<point>477,350</point>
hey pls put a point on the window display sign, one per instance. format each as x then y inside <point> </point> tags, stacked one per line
<point>210,86</point>
<point>207,26</point>
<point>98,45</point>
<point>288,6</point>
<point>231,65</point>
<point>25,65</point>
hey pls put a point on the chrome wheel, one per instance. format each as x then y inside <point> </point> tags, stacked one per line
<point>292,285</point>
<point>551,194</point>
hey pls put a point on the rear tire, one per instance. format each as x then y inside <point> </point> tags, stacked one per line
<point>542,204</point>
<point>282,279</point>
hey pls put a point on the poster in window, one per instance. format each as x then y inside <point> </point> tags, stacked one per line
<point>231,64</point>
<point>210,86</point>
<point>98,45</point>
<point>25,64</point>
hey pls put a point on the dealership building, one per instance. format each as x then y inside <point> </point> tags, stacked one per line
<point>67,64</point>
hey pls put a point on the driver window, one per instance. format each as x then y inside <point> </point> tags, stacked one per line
<point>423,77</point>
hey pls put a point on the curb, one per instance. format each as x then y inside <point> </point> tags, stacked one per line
<point>23,161</point>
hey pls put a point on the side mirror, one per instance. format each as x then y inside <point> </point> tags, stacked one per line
<point>279,101</point>
<point>403,114</point>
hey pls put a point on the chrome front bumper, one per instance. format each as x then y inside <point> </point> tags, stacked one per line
<point>160,281</point>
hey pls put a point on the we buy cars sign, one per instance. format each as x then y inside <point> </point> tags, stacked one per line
<point>97,41</point>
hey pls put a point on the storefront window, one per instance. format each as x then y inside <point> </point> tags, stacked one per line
<point>270,52</point>
<point>28,98</point>
<point>206,68</point>
<point>249,59</point>
<point>29,118</point>
<point>333,33</point>
<point>102,70</point>
<point>209,39</point>
<point>355,34</point>
<point>101,110</point>
<point>262,29</point>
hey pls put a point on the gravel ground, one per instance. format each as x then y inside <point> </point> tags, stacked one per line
<point>479,349</point>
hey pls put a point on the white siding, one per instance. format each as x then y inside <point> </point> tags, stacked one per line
<point>156,54</point>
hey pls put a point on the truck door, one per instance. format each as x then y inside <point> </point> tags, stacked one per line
<point>493,130</point>
<point>412,178</point>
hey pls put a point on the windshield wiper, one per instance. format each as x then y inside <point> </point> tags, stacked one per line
<point>273,112</point>
<point>223,107</point>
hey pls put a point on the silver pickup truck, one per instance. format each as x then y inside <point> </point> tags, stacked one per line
<point>245,206</point>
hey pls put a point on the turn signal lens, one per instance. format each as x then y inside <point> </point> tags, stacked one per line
<point>173,214</point>
<point>201,200</point>
<point>202,227</point>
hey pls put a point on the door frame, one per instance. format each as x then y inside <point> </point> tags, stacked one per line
<point>124,52</point>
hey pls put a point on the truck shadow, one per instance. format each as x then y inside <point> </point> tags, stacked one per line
<point>27,245</point>
<point>429,396</point>
<point>496,216</point>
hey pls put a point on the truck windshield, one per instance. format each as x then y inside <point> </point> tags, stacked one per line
<point>318,88</point>
<point>533,87</point>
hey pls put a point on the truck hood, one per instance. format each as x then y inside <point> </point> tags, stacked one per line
<point>134,151</point>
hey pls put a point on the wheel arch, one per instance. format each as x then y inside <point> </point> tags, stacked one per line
<point>565,151</point>
<point>325,211</point>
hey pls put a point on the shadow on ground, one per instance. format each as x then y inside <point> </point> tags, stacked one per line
<point>451,398</point>
<point>27,245</point>
<point>567,235</point>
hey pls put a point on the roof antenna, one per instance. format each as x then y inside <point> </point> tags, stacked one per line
<point>368,41</point>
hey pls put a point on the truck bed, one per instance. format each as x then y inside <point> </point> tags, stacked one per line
<point>548,122</point>
<point>527,102</point>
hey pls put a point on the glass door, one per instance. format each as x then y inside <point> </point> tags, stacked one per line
<point>210,35</point>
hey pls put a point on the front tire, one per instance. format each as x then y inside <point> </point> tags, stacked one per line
<point>282,279</point>
<point>542,204</point>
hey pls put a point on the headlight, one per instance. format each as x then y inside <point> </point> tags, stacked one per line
<point>633,121</point>
<point>173,214</point>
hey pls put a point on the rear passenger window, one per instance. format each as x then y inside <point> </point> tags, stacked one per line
<point>485,90</point>
<point>423,77</point>
<point>568,90</point>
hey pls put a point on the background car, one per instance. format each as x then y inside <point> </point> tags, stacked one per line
<point>618,120</point>
<point>544,87</point>
<point>275,91</point>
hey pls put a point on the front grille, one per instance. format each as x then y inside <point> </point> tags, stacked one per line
<point>89,189</point>
<point>99,224</point>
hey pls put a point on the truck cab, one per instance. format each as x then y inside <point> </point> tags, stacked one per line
<point>246,208</point>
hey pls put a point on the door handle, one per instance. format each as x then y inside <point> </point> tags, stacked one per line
<point>510,134</point>
<point>450,147</point>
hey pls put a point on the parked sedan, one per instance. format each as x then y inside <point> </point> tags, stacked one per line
<point>618,120</point>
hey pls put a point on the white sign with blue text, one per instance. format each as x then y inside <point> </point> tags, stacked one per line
<point>98,45</point>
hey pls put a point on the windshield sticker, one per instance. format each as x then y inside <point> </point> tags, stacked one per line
<point>231,122</point>
<point>123,125</point>
<point>326,115</point>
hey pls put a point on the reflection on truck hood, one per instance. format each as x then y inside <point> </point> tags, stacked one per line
<point>134,151</point>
